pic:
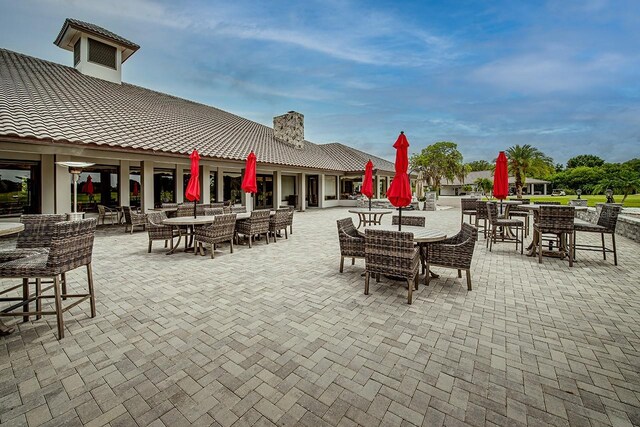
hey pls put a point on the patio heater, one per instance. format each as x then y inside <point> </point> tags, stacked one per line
<point>74,169</point>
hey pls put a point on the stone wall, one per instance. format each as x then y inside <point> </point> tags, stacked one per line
<point>627,226</point>
<point>289,128</point>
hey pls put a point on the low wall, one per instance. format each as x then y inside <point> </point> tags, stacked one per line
<point>627,226</point>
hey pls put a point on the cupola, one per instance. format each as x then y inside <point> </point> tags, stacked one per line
<point>96,52</point>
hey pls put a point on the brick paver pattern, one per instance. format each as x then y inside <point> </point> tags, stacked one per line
<point>275,335</point>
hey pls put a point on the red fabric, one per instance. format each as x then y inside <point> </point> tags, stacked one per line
<point>399,192</point>
<point>249,184</point>
<point>136,189</point>
<point>88,186</point>
<point>193,187</point>
<point>501,178</point>
<point>367,184</point>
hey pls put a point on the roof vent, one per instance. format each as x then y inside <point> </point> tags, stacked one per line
<point>96,52</point>
<point>289,128</point>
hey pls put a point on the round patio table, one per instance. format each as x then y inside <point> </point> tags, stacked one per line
<point>369,216</point>
<point>190,222</point>
<point>7,229</point>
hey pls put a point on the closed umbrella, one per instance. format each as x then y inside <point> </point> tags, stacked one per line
<point>88,186</point>
<point>249,183</point>
<point>136,189</point>
<point>501,179</point>
<point>367,184</point>
<point>193,186</point>
<point>399,192</point>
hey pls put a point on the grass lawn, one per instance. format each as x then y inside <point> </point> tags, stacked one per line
<point>633,200</point>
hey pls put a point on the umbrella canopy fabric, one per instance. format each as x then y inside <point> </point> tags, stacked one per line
<point>88,186</point>
<point>367,184</point>
<point>249,183</point>
<point>399,192</point>
<point>501,178</point>
<point>136,189</point>
<point>193,187</point>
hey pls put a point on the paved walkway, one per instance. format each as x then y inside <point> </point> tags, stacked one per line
<point>274,335</point>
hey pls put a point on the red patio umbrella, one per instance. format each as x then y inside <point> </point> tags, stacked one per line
<point>399,192</point>
<point>249,183</point>
<point>193,187</point>
<point>88,186</point>
<point>501,178</point>
<point>136,189</point>
<point>367,184</point>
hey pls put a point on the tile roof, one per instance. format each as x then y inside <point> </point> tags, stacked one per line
<point>54,103</point>
<point>92,28</point>
<point>353,160</point>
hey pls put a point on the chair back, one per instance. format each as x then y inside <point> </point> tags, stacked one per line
<point>71,245</point>
<point>467,232</point>
<point>101,210</point>
<point>468,204</point>
<point>351,242</point>
<point>225,224</point>
<point>492,212</point>
<point>239,209</point>
<point>416,221</point>
<point>547,203</point>
<point>556,219</point>
<point>290,217</point>
<point>608,217</point>
<point>217,204</point>
<point>214,211</point>
<point>38,230</point>
<point>481,210</point>
<point>185,209</point>
<point>127,214</point>
<point>280,219</point>
<point>169,205</point>
<point>519,208</point>
<point>155,219</point>
<point>390,252</point>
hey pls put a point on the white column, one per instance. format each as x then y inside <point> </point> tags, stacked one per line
<point>545,189</point>
<point>123,200</point>
<point>277,189</point>
<point>47,183</point>
<point>376,192</point>
<point>220,186</point>
<point>321,190</point>
<point>303,191</point>
<point>205,184</point>
<point>179,184</point>
<point>146,178</point>
<point>62,186</point>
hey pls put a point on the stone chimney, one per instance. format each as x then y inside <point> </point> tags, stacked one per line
<point>289,128</point>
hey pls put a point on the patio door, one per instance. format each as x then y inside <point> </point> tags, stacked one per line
<point>264,196</point>
<point>312,191</point>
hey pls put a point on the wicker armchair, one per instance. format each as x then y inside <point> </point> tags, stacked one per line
<point>391,253</point>
<point>278,222</point>
<point>214,211</point>
<point>504,225</point>
<point>455,252</point>
<point>105,212</point>
<point>290,218</point>
<point>257,223</point>
<point>71,247</point>
<point>133,219</point>
<point>186,209</point>
<point>351,242</point>
<point>469,207</point>
<point>517,211</point>
<point>607,221</point>
<point>416,221</point>
<point>557,220</point>
<point>221,230</point>
<point>159,231</point>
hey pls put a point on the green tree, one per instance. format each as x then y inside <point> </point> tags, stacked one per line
<point>485,184</point>
<point>619,178</point>
<point>479,165</point>
<point>588,160</point>
<point>581,177</point>
<point>439,161</point>
<point>633,164</point>
<point>526,160</point>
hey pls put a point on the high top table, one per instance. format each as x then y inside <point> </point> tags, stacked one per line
<point>368,216</point>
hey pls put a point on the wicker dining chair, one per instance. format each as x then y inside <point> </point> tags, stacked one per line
<point>105,212</point>
<point>257,223</point>
<point>455,252</point>
<point>499,224</point>
<point>468,207</point>
<point>482,215</point>
<point>159,231</point>
<point>351,242</point>
<point>607,221</point>
<point>133,219</point>
<point>185,209</point>
<point>219,231</point>
<point>214,211</point>
<point>391,253</point>
<point>238,209</point>
<point>71,247</point>
<point>416,221</point>
<point>278,222</point>
<point>556,220</point>
<point>290,218</point>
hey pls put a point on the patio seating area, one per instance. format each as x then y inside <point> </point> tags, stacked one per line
<point>282,334</point>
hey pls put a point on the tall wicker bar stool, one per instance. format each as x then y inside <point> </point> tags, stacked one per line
<point>482,215</point>
<point>556,220</point>
<point>607,221</point>
<point>517,211</point>
<point>504,227</point>
<point>468,207</point>
<point>351,242</point>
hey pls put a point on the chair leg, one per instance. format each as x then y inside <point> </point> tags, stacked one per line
<point>64,286</point>
<point>38,300</point>
<point>426,275</point>
<point>604,250</point>
<point>378,277</point>
<point>275,240</point>
<point>58,303</point>
<point>366,282</point>
<point>459,274</point>
<point>468,279</point>
<point>540,247</point>
<point>213,251</point>
<point>571,243</point>
<point>416,280</point>
<point>25,297</point>
<point>267,239</point>
<point>166,243</point>
<point>410,293</point>
<point>353,261</point>
<point>250,238</point>
<point>92,296</point>
<point>286,236</point>
<point>149,251</point>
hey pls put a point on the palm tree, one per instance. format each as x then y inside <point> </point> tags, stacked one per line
<point>526,160</point>
<point>484,184</point>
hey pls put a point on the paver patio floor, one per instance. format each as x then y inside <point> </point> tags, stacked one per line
<point>275,335</point>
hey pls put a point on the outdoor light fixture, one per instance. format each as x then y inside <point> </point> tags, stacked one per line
<point>609,194</point>
<point>74,169</point>
<point>578,192</point>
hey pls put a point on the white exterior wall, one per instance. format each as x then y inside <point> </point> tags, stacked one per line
<point>96,70</point>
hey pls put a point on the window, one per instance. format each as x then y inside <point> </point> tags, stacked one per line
<point>288,188</point>
<point>97,185</point>
<point>232,183</point>
<point>213,186</point>
<point>330,187</point>
<point>383,187</point>
<point>135,187</point>
<point>102,54</point>
<point>76,52</point>
<point>350,188</point>
<point>164,186</point>
<point>19,188</point>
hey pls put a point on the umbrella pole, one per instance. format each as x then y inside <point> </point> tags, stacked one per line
<point>399,219</point>
<point>369,203</point>
<point>195,214</point>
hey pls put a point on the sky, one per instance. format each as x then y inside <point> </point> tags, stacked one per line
<point>562,75</point>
